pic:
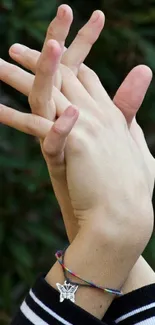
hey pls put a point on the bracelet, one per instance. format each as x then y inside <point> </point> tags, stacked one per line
<point>69,288</point>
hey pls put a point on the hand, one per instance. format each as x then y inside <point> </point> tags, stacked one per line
<point>81,146</point>
<point>128,98</point>
<point>145,82</point>
<point>23,81</point>
<point>89,207</point>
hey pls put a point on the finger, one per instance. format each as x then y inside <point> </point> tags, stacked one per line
<point>40,98</point>
<point>92,84</point>
<point>80,97</point>
<point>61,102</point>
<point>25,56</point>
<point>27,123</point>
<point>131,93</point>
<point>23,81</point>
<point>60,26</point>
<point>57,30</point>
<point>54,143</point>
<point>16,77</point>
<point>82,44</point>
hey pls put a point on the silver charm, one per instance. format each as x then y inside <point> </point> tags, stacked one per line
<point>67,291</point>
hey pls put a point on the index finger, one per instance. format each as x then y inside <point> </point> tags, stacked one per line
<point>40,97</point>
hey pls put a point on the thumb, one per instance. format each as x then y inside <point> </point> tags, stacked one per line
<point>131,93</point>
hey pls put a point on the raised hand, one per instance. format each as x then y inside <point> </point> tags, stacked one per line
<point>108,181</point>
<point>128,98</point>
<point>91,100</point>
<point>22,81</point>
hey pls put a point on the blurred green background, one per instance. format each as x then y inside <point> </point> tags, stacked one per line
<point>30,221</point>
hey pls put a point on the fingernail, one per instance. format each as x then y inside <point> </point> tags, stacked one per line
<point>94,16</point>
<point>71,111</point>
<point>61,12</point>
<point>17,48</point>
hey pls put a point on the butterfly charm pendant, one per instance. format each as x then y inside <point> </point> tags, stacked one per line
<point>67,291</point>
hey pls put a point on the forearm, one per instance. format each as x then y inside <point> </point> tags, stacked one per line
<point>42,305</point>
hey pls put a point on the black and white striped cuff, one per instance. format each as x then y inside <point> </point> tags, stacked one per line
<point>135,308</point>
<point>42,306</point>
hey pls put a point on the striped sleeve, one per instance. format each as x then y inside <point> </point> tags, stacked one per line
<point>135,308</point>
<point>42,307</point>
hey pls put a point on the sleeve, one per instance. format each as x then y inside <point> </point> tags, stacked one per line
<point>135,308</point>
<point>42,306</point>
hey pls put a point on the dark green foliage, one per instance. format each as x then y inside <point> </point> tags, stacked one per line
<point>30,224</point>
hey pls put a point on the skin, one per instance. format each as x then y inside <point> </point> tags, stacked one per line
<point>37,86</point>
<point>94,240</point>
<point>127,99</point>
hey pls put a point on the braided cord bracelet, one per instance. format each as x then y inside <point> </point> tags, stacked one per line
<point>67,291</point>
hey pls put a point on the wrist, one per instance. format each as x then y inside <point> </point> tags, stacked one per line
<point>98,260</point>
<point>118,227</point>
<point>140,276</point>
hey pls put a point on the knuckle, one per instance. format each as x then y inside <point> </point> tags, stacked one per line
<point>59,131</point>
<point>41,68</point>
<point>52,31</point>
<point>81,34</point>
<point>67,71</point>
<point>57,31</point>
<point>85,37</point>
<point>49,149</point>
<point>92,126</point>
<point>33,123</point>
<point>36,101</point>
<point>76,142</point>
<point>29,125</point>
<point>89,73</point>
